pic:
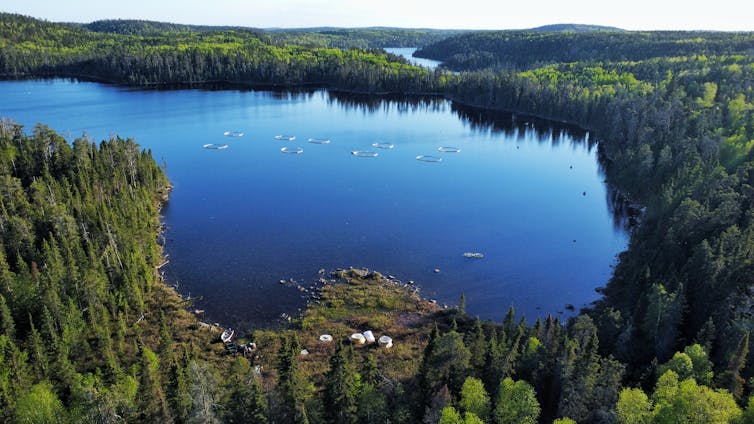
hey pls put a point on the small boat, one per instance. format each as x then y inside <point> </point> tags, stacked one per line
<point>227,335</point>
<point>364,154</point>
<point>285,137</point>
<point>448,149</point>
<point>233,134</point>
<point>474,255</point>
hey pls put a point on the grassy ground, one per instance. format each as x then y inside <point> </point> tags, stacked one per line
<point>359,301</point>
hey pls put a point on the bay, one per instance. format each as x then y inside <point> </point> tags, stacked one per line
<point>528,194</point>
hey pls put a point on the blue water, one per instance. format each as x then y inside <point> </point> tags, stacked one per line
<point>241,219</point>
<point>408,53</point>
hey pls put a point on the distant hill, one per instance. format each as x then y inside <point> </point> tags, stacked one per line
<point>531,48</point>
<point>153,28</point>
<point>573,28</point>
<point>372,37</point>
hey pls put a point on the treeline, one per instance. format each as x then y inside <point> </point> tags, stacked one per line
<point>677,132</point>
<point>77,273</point>
<point>29,47</point>
<point>342,38</point>
<point>363,38</point>
<point>152,28</point>
<point>499,50</point>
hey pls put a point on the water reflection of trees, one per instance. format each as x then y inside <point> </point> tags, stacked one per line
<point>373,104</point>
<point>513,125</point>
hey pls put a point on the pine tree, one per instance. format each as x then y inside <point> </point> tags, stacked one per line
<point>424,383</point>
<point>153,406</point>
<point>341,389</point>
<point>291,386</point>
<point>245,401</point>
<point>257,402</point>
<point>370,373</point>
<point>177,390</point>
<point>509,322</point>
<point>7,326</point>
<point>477,343</point>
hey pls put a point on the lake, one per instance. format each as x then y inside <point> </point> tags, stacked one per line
<point>408,54</point>
<point>529,195</point>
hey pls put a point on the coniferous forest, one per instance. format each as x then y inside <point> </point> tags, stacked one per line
<point>89,333</point>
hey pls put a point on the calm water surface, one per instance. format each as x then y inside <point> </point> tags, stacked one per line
<point>408,52</point>
<point>530,197</point>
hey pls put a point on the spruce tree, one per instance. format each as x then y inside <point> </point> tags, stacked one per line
<point>341,389</point>
<point>7,326</point>
<point>477,344</point>
<point>290,386</point>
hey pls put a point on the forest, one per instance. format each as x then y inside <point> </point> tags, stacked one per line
<point>669,342</point>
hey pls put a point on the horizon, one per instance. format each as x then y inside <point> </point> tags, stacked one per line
<point>643,15</point>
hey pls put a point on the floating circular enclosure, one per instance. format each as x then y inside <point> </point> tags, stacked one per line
<point>285,137</point>
<point>215,146</point>
<point>448,149</point>
<point>233,134</point>
<point>319,141</point>
<point>427,158</point>
<point>292,150</point>
<point>383,145</point>
<point>365,154</point>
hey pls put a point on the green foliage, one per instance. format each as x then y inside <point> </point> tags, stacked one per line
<point>687,402</point>
<point>680,364</point>
<point>633,407</point>
<point>188,55</point>
<point>474,398</point>
<point>703,373</point>
<point>450,416</point>
<point>673,113</point>
<point>342,385</point>
<point>516,403</point>
<point>448,362</point>
<point>40,406</point>
<point>291,388</point>
<point>564,421</point>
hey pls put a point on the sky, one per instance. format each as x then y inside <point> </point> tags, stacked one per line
<point>724,15</point>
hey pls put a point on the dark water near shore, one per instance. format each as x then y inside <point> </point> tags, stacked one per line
<point>527,194</point>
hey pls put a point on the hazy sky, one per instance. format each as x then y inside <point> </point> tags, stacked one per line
<point>481,14</point>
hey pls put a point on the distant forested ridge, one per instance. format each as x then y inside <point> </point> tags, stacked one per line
<point>30,47</point>
<point>364,38</point>
<point>529,49</point>
<point>344,38</point>
<point>674,114</point>
<point>153,28</point>
<point>573,28</point>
